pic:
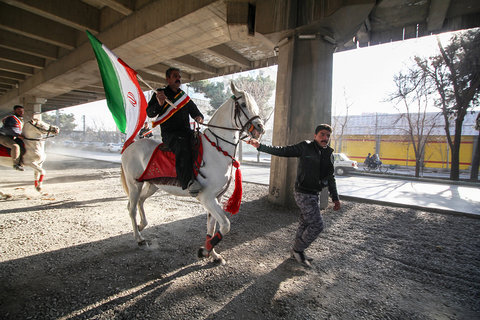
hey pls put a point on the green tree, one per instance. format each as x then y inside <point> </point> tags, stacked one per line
<point>215,91</point>
<point>260,87</point>
<point>455,75</point>
<point>65,121</point>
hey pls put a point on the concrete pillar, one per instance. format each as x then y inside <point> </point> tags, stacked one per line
<point>303,100</point>
<point>32,105</point>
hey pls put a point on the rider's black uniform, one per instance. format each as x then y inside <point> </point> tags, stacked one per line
<point>177,134</point>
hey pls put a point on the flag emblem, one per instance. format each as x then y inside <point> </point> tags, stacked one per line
<point>132,100</point>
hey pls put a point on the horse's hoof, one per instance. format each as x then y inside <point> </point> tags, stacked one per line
<point>143,243</point>
<point>39,189</point>
<point>203,253</point>
<point>220,261</point>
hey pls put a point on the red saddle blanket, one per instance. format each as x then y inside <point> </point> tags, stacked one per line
<point>162,163</point>
<point>4,151</point>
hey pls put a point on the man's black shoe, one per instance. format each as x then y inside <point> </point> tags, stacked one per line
<point>300,257</point>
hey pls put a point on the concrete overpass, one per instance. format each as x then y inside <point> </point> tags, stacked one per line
<point>46,62</point>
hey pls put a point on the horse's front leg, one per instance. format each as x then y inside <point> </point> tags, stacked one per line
<point>211,224</point>
<point>38,176</point>
<point>215,214</point>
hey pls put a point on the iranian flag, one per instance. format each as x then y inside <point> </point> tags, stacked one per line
<point>125,99</point>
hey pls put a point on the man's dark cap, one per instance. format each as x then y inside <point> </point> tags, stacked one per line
<point>17,106</point>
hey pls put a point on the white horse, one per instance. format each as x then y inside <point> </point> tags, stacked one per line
<point>238,114</point>
<point>35,133</point>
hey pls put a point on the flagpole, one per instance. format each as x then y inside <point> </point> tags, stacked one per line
<point>150,87</point>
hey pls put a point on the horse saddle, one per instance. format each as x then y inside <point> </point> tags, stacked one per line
<point>5,152</point>
<point>161,166</point>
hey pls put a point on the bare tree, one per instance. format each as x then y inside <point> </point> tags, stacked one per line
<point>261,88</point>
<point>455,74</point>
<point>412,98</point>
<point>340,123</point>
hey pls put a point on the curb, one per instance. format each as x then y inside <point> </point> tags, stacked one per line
<point>410,206</point>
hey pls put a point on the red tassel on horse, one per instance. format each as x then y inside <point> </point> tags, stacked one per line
<point>233,204</point>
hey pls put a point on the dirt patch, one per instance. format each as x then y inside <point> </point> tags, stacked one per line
<point>69,253</point>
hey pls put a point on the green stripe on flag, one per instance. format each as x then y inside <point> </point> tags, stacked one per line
<point>111,84</point>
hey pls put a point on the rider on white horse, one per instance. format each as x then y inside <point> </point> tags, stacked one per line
<point>175,124</point>
<point>11,133</point>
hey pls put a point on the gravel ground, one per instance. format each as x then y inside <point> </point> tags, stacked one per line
<point>69,253</point>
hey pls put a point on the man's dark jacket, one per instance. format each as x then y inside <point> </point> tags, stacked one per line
<point>315,166</point>
<point>179,121</point>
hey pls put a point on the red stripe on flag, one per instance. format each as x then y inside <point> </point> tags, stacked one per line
<point>143,104</point>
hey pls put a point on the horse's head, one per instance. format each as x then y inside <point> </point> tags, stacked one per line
<point>41,127</point>
<point>247,113</point>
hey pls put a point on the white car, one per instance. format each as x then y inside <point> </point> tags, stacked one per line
<point>114,147</point>
<point>343,164</point>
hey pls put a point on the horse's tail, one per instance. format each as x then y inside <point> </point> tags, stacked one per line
<point>124,182</point>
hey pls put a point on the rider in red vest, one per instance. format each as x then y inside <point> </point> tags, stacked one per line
<point>11,133</point>
<point>176,132</point>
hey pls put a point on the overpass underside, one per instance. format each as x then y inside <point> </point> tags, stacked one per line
<point>46,62</point>
<point>45,58</point>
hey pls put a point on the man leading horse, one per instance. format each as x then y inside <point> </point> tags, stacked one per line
<point>175,124</point>
<point>11,135</point>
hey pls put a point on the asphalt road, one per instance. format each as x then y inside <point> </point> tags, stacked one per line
<point>429,194</point>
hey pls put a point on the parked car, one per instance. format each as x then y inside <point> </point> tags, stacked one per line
<point>343,164</point>
<point>114,147</point>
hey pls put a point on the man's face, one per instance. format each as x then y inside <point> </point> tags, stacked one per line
<point>323,137</point>
<point>174,81</point>
<point>19,112</point>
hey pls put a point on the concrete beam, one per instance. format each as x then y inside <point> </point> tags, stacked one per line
<point>10,82</point>
<point>12,75</point>
<point>94,89</point>
<point>125,7</point>
<point>153,80</point>
<point>15,68</point>
<point>28,24</point>
<point>6,86</point>
<point>158,70</point>
<point>27,45</point>
<point>67,100</point>
<point>80,96</point>
<point>135,38</point>
<point>436,14</point>
<point>76,14</point>
<point>21,58</point>
<point>229,54</point>
<point>195,63</point>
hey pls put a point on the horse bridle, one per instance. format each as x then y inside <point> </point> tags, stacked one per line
<point>237,119</point>
<point>50,130</point>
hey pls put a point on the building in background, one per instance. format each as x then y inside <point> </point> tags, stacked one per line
<point>386,134</point>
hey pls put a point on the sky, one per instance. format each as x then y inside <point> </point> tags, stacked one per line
<point>364,76</point>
